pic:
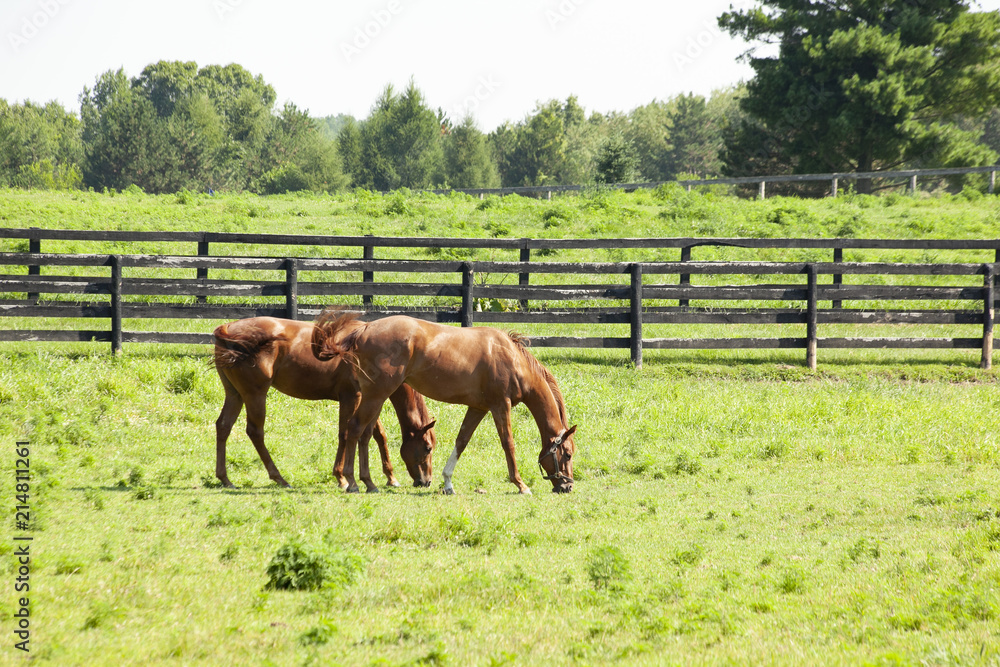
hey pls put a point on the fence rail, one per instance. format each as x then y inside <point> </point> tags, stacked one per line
<point>833,178</point>
<point>118,286</point>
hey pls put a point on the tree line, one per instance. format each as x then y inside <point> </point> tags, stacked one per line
<point>856,86</point>
<point>176,126</point>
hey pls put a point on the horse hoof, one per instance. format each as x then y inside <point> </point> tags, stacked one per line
<point>448,491</point>
<point>525,491</point>
<point>353,489</point>
<point>393,483</point>
<point>373,489</point>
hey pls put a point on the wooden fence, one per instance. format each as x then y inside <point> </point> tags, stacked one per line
<point>910,176</point>
<point>121,286</point>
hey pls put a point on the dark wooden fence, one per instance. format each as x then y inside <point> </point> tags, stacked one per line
<point>121,286</point>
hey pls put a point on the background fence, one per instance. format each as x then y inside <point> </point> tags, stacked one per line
<point>908,176</point>
<point>673,289</point>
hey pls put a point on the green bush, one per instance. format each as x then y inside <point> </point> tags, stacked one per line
<point>286,178</point>
<point>298,566</point>
<point>608,568</point>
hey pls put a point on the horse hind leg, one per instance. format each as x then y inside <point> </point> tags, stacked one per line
<point>231,409</point>
<point>471,421</point>
<point>357,427</point>
<point>364,472</point>
<point>256,414</point>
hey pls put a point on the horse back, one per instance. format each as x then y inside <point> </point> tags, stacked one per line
<point>271,351</point>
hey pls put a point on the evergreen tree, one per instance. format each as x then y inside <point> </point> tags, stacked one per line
<point>400,143</point>
<point>617,161</point>
<point>468,158</point>
<point>861,85</point>
<point>125,140</point>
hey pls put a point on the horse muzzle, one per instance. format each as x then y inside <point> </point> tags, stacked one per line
<point>565,487</point>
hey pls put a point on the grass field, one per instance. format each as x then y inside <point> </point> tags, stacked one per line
<point>731,507</point>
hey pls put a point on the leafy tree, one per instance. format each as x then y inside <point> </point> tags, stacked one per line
<point>696,138</point>
<point>40,146</point>
<point>330,126</point>
<point>648,130</point>
<point>166,84</point>
<point>299,156</point>
<point>467,156</point>
<point>864,85</point>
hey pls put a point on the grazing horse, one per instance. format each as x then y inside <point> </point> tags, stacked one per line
<point>485,369</point>
<point>255,354</point>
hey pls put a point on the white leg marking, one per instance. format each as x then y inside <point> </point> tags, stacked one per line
<point>449,468</point>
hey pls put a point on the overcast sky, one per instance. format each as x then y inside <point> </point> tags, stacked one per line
<point>494,59</point>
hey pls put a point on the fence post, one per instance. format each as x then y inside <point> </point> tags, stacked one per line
<point>913,184</point>
<point>838,279</point>
<point>291,289</point>
<point>989,283</point>
<point>760,190</point>
<point>116,304</point>
<point>468,300</point>
<point>811,316</point>
<point>202,273</point>
<point>833,188</point>
<point>635,315</point>
<point>993,181</point>
<point>685,278</point>
<point>524,278</point>
<point>35,247</point>
<point>367,276</point>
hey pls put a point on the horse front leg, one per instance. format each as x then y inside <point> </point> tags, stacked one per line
<point>473,417</point>
<point>501,417</point>
<point>382,442</point>
<point>231,409</point>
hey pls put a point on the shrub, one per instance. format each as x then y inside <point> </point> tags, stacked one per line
<point>608,568</point>
<point>286,178</point>
<point>297,566</point>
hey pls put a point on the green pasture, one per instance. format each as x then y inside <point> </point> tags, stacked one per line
<point>727,510</point>
<point>731,507</point>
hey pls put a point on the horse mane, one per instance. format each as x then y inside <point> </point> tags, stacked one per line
<point>240,348</point>
<point>328,337</point>
<point>522,342</point>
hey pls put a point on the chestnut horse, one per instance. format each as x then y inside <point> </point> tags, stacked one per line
<point>485,369</point>
<point>255,354</point>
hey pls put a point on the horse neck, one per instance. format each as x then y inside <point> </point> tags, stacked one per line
<point>544,407</point>
<point>410,407</point>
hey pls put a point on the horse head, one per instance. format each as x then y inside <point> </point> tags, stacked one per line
<point>416,450</point>
<point>556,461</point>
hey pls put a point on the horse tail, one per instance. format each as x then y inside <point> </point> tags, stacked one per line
<point>240,348</point>
<point>335,332</point>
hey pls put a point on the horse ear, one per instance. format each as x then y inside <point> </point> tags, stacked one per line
<point>429,426</point>
<point>570,431</point>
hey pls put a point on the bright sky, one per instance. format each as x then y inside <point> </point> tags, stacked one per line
<point>493,59</point>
